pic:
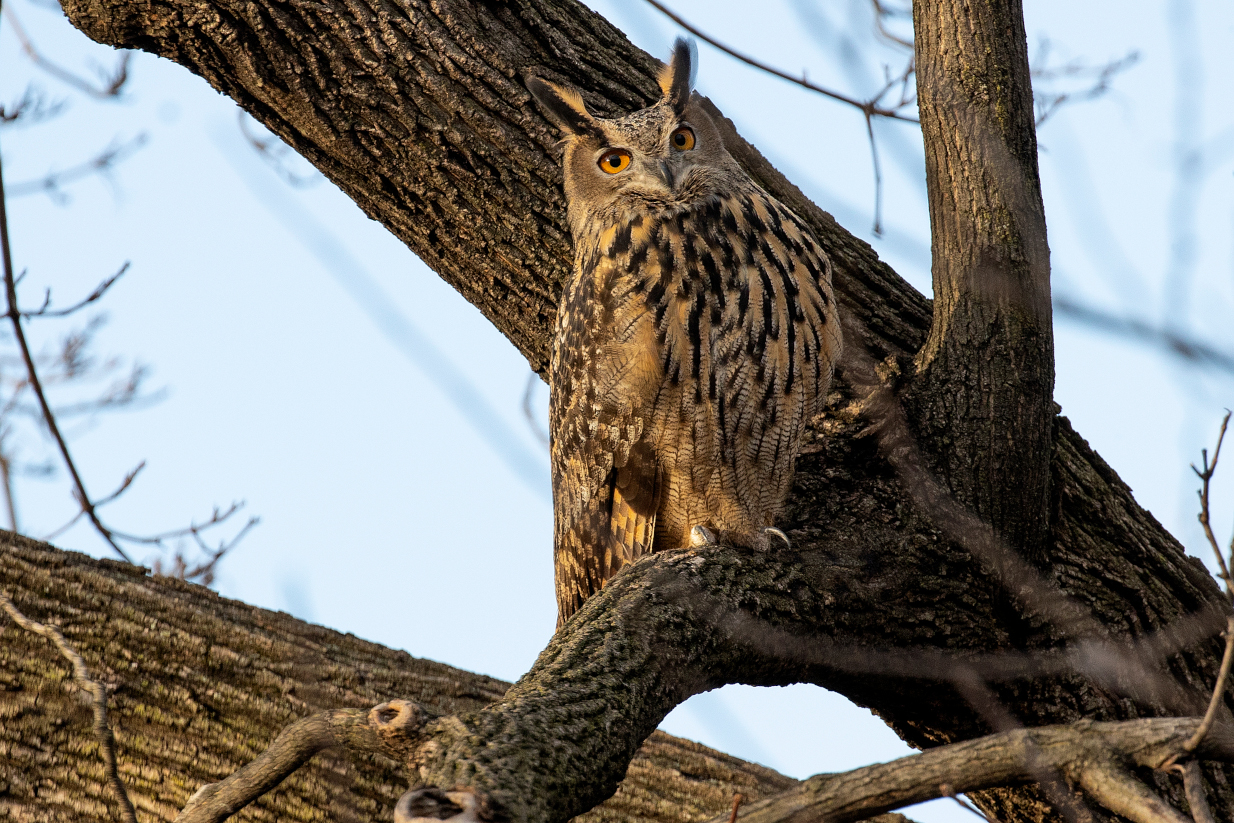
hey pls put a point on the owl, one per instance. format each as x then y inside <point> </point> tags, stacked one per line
<point>695,338</point>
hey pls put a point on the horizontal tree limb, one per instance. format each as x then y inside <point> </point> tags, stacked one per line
<point>1081,751</point>
<point>200,685</point>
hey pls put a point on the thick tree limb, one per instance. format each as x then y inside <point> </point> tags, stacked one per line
<point>1082,751</point>
<point>201,685</point>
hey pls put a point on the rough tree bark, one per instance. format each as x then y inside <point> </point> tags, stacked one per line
<point>984,390</point>
<point>202,684</point>
<point>418,111</point>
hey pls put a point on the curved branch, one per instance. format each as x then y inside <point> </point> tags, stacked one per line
<point>384,729</point>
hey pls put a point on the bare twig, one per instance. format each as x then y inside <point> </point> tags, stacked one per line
<point>1217,700</point>
<point>46,311</point>
<point>1206,476</point>
<point>274,152</point>
<point>1020,579</point>
<point>881,12</point>
<point>14,315</point>
<point>31,107</point>
<point>986,703</point>
<point>389,728</point>
<point>1047,103</point>
<point>1112,785</point>
<point>73,363</point>
<point>871,107</point>
<point>216,517</point>
<point>204,572</point>
<point>1218,697</point>
<point>1193,787</point>
<point>112,84</point>
<point>52,183</point>
<point>107,740</point>
<point>878,178</point>
<point>1189,349</point>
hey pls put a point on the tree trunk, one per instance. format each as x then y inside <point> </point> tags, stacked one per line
<point>418,111</point>
<point>983,395</point>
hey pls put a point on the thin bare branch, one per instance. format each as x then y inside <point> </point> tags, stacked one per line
<point>107,740</point>
<point>881,12</point>
<point>74,362</point>
<point>1194,351</point>
<point>869,107</point>
<point>275,153</point>
<point>204,572</point>
<point>1193,787</point>
<point>112,83</point>
<point>1218,697</point>
<point>14,315</point>
<point>52,535</point>
<point>878,178</point>
<point>52,183</point>
<point>1098,79</point>
<point>947,791</point>
<point>217,516</point>
<point>32,107</point>
<point>1051,782</point>
<point>1073,619</point>
<point>46,311</point>
<point>389,729</point>
<point>1206,476</point>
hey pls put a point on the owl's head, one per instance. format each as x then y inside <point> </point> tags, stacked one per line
<point>669,154</point>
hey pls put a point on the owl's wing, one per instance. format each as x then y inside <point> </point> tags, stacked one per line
<point>605,375</point>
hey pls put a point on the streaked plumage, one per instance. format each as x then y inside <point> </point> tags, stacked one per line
<point>695,339</point>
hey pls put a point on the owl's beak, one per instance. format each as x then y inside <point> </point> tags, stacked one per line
<point>667,173</point>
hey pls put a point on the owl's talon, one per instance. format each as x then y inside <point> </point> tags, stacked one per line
<point>788,544</point>
<point>701,536</point>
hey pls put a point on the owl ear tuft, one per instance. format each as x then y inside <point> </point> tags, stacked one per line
<point>677,78</point>
<point>563,105</point>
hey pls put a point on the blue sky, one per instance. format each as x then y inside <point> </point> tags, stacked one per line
<point>373,419</point>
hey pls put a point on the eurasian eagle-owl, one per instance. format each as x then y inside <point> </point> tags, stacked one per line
<point>695,339</point>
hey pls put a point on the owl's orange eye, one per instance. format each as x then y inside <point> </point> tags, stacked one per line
<point>682,139</point>
<point>615,160</point>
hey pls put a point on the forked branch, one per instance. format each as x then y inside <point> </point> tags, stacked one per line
<point>1096,756</point>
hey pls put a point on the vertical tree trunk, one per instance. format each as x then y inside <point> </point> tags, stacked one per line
<point>983,400</point>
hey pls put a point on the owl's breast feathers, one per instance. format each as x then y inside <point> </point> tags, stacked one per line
<point>693,345</point>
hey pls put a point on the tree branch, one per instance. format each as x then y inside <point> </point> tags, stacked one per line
<point>1082,751</point>
<point>98,698</point>
<point>870,108</point>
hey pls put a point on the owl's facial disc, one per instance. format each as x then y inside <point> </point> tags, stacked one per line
<point>653,165</point>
